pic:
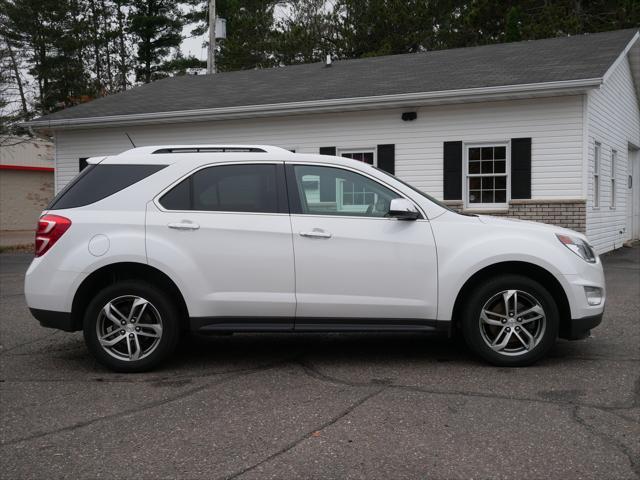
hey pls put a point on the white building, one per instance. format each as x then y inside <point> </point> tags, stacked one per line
<point>547,130</point>
<point>26,181</point>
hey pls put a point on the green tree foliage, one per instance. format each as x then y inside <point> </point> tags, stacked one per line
<point>251,36</point>
<point>384,27</point>
<point>46,33</point>
<point>156,26</point>
<point>58,53</point>
<point>179,64</point>
<point>481,22</point>
<point>306,32</point>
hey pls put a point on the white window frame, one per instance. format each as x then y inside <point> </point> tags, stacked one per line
<point>614,161</point>
<point>466,175</point>
<point>361,150</point>
<point>597,162</point>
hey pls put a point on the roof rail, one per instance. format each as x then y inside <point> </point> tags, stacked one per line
<point>209,150</point>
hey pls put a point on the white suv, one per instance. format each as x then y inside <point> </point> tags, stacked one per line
<point>156,241</point>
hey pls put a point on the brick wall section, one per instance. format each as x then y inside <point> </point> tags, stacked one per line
<point>563,213</point>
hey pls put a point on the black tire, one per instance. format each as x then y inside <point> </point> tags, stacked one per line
<point>477,334</point>
<point>160,304</point>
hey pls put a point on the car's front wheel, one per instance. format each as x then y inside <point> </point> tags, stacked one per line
<point>510,320</point>
<point>131,326</point>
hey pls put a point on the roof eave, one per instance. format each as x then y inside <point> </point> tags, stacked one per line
<point>331,105</point>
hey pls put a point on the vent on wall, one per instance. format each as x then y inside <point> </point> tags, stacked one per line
<point>210,150</point>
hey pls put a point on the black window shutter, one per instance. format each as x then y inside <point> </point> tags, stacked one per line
<point>521,168</point>
<point>327,151</point>
<point>327,184</point>
<point>452,170</point>
<point>387,158</point>
<point>82,163</point>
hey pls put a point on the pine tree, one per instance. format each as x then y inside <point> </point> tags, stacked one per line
<point>251,35</point>
<point>156,26</point>
<point>384,27</point>
<point>306,33</point>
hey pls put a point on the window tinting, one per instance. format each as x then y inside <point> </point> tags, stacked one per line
<point>97,182</point>
<point>179,197</point>
<point>227,188</point>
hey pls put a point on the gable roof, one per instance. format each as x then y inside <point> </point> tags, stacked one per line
<point>578,61</point>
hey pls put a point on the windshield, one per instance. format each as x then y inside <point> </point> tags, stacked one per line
<point>420,192</point>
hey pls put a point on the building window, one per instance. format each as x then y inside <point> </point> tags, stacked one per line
<point>596,175</point>
<point>614,159</point>
<point>486,169</point>
<point>362,155</point>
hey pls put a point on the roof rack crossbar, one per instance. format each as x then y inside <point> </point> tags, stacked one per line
<point>210,150</point>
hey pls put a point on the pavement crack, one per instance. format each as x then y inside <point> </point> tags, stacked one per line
<point>15,347</point>
<point>125,378</point>
<point>608,439</point>
<point>141,408</point>
<point>312,371</point>
<point>308,434</point>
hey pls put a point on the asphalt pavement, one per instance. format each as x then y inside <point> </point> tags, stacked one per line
<point>338,406</point>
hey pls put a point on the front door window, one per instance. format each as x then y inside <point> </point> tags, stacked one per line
<point>335,191</point>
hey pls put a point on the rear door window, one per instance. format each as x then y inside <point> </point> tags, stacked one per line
<point>97,182</point>
<point>252,188</point>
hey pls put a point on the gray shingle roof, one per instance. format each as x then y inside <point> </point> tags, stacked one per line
<point>557,59</point>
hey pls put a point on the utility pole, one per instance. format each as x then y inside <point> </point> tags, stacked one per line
<point>211,54</point>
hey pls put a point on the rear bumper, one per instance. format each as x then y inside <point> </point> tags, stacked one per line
<point>59,320</point>
<point>579,328</point>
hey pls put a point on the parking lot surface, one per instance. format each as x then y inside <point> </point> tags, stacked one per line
<point>322,406</point>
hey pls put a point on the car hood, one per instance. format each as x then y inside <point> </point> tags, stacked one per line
<point>528,225</point>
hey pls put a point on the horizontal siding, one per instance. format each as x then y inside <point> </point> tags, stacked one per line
<point>614,122</point>
<point>555,125</point>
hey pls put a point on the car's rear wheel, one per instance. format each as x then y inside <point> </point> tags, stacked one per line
<point>510,320</point>
<point>131,326</point>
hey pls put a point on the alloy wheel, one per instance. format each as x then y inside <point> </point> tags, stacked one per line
<point>512,322</point>
<point>129,328</point>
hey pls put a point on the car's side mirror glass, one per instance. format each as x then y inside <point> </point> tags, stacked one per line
<point>403,209</point>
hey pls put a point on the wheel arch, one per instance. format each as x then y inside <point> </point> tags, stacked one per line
<point>115,272</point>
<point>535,272</point>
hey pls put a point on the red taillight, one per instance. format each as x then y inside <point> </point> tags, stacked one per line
<point>50,229</point>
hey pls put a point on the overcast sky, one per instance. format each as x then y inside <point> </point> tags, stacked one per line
<point>193,45</point>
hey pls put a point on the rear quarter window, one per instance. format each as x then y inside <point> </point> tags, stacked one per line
<point>97,182</point>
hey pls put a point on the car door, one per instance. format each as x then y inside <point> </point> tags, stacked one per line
<point>356,268</point>
<point>224,233</point>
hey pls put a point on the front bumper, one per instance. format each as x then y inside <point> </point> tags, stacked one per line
<point>579,328</point>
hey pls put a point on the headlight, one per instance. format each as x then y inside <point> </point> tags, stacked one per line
<point>579,247</point>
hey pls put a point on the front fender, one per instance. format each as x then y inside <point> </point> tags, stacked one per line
<point>467,248</point>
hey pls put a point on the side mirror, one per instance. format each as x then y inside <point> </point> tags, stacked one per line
<point>403,209</point>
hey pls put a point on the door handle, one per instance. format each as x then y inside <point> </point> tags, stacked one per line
<point>316,233</point>
<point>184,226</point>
